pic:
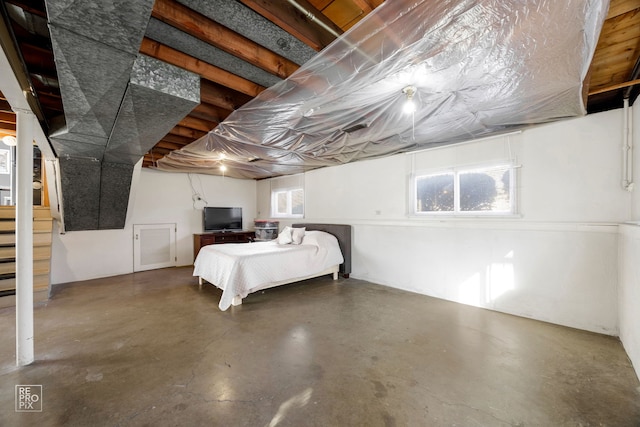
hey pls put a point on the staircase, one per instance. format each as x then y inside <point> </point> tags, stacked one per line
<point>42,228</point>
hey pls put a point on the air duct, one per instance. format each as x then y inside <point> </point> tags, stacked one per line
<point>117,105</point>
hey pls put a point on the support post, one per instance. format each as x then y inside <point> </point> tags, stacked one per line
<point>24,238</point>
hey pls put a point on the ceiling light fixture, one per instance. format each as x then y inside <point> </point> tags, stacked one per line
<point>10,140</point>
<point>409,106</point>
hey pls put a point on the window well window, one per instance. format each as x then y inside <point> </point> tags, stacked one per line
<point>435,193</point>
<point>464,191</point>
<point>289,203</point>
<point>287,196</point>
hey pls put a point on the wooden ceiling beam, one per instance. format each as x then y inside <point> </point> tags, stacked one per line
<point>295,22</point>
<point>187,132</point>
<point>150,161</point>
<point>615,87</point>
<point>6,117</point>
<point>222,97</point>
<point>8,127</point>
<point>182,140</point>
<point>50,101</point>
<point>160,150</point>
<point>191,22</point>
<point>210,72</point>
<point>5,106</point>
<point>199,124</point>
<point>38,56</point>
<point>210,112</point>
<point>168,145</point>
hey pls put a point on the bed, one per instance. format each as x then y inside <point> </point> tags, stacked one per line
<point>242,268</point>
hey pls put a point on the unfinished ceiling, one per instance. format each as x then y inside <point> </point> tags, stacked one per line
<point>470,69</point>
<point>241,48</point>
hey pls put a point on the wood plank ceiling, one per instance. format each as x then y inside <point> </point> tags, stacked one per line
<point>614,72</point>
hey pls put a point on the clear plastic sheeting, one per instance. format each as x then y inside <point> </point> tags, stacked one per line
<point>477,67</point>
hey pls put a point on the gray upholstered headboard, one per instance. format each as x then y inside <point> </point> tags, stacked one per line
<point>343,234</point>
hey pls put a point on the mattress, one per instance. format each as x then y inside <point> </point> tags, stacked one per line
<point>242,268</point>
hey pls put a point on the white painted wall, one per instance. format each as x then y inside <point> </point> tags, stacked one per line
<point>562,259</point>
<point>572,171</point>
<point>556,261</point>
<point>158,197</point>
<point>629,264</point>
<point>635,122</point>
<point>629,292</point>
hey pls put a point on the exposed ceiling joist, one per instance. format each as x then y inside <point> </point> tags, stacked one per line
<point>210,112</point>
<point>295,22</point>
<point>187,132</point>
<point>181,140</point>
<point>4,105</point>
<point>195,35</point>
<point>7,118</point>
<point>168,145</point>
<point>209,31</point>
<point>221,96</point>
<point>207,71</point>
<point>198,124</point>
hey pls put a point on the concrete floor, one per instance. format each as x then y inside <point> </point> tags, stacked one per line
<point>152,349</point>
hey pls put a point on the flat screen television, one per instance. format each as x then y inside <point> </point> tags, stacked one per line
<point>222,219</point>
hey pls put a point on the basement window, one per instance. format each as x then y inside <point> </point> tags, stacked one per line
<point>289,203</point>
<point>484,190</point>
<point>287,196</point>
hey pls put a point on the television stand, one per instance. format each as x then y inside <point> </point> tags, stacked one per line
<point>220,237</point>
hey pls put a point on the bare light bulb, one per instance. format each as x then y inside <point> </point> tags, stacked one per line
<point>409,106</point>
<point>223,168</point>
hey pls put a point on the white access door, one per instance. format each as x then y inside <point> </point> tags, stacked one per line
<point>154,246</point>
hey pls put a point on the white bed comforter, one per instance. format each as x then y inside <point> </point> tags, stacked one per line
<point>241,268</point>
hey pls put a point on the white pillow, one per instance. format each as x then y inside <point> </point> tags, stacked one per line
<point>297,234</point>
<point>284,238</point>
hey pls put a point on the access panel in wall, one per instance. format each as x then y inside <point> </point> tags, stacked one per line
<point>154,246</point>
